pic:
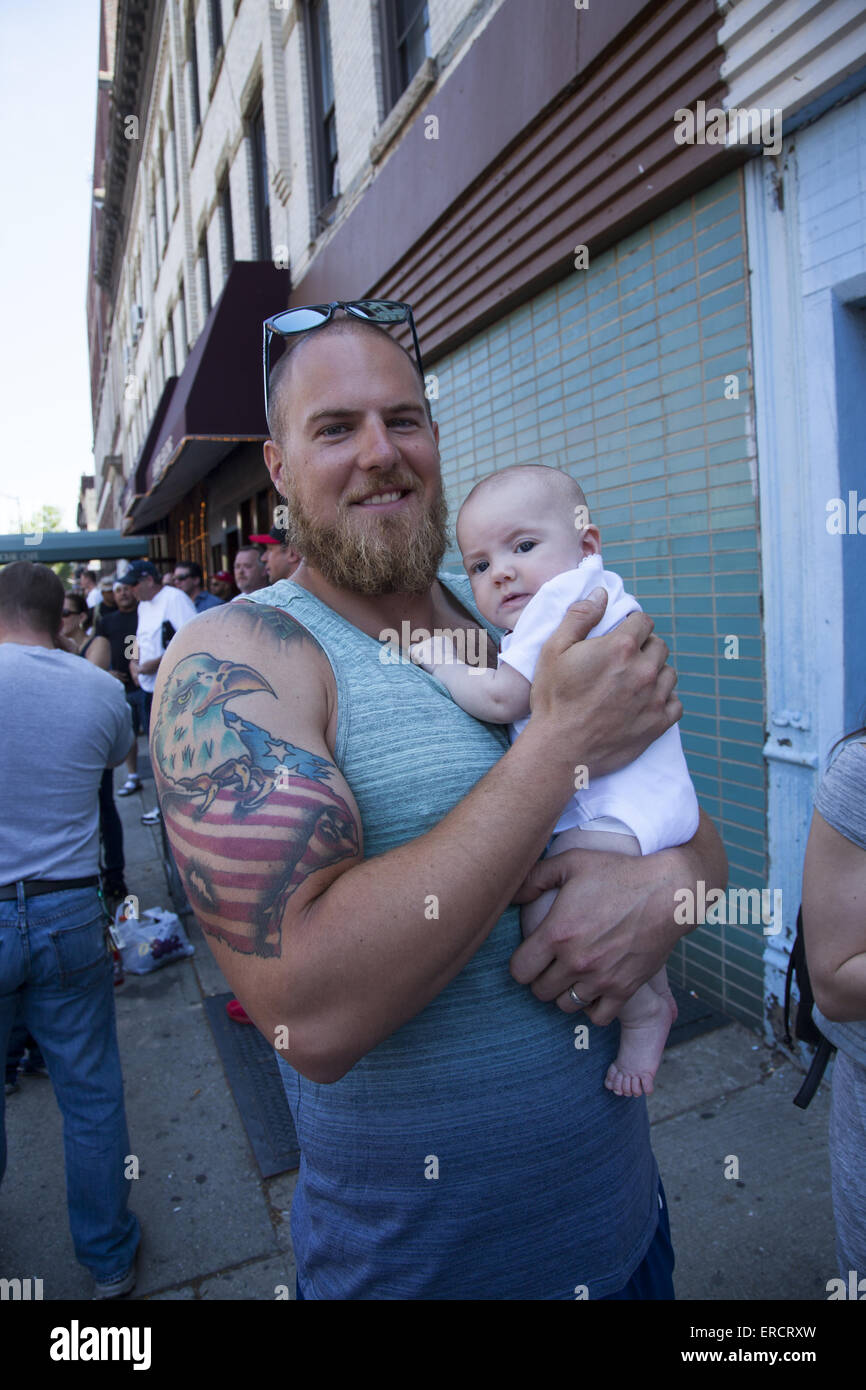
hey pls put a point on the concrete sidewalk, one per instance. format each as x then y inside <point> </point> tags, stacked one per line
<point>215,1229</point>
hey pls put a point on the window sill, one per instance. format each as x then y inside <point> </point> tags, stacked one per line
<point>327,215</point>
<point>411,99</point>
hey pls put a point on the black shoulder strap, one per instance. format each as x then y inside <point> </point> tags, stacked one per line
<point>805,1027</point>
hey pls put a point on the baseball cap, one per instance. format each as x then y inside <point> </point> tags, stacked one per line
<point>224,576</point>
<point>278,535</point>
<point>137,571</point>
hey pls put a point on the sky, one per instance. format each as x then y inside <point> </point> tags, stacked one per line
<point>49,58</point>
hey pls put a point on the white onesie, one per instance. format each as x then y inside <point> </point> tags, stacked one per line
<point>653,796</point>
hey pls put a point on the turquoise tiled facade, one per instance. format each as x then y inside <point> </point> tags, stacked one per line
<point>618,374</point>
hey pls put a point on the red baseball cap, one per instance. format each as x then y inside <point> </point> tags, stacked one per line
<point>276,536</point>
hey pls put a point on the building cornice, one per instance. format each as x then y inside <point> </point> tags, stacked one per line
<point>138,26</point>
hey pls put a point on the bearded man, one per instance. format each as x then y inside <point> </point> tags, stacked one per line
<point>352,843</point>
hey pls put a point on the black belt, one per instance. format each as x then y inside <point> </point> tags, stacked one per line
<point>34,886</point>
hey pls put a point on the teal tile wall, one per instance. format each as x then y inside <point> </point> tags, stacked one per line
<point>618,375</point>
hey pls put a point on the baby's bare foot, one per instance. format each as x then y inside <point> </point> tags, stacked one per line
<point>642,1042</point>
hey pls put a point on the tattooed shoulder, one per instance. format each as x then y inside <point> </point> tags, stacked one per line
<point>250,816</point>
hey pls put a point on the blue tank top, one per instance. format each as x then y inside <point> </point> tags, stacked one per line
<point>475,1153</point>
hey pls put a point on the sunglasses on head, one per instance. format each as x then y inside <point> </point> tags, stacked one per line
<point>310,316</point>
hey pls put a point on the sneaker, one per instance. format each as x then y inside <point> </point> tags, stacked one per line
<point>30,1069</point>
<point>11,1088</point>
<point>152,817</point>
<point>132,784</point>
<point>116,1287</point>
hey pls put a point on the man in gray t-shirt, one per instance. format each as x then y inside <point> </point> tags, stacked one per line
<point>64,722</point>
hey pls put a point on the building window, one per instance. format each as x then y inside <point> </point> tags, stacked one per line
<point>192,60</point>
<point>168,361</point>
<point>261,190</point>
<point>227,236</point>
<point>172,150</point>
<point>163,195</point>
<point>322,102</point>
<point>216,30</point>
<point>204,277</point>
<point>406,43</point>
<point>181,342</point>
<point>154,234</point>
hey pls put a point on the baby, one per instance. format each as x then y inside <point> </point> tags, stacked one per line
<point>531,552</point>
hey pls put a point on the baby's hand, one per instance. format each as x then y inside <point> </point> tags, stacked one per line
<point>433,651</point>
<point>421,653</point>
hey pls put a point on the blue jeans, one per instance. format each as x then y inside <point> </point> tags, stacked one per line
<point>56,978</point>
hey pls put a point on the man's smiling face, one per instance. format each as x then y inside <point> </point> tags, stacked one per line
<point>358,462</point>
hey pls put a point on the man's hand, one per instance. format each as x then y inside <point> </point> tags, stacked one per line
<point>612,925</point>
<point>611,697</point>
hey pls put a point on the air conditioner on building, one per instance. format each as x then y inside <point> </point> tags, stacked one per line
<point>137,322</point>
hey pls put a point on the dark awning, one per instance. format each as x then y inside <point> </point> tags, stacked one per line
<point>216,402</point>
<point>81,546</point>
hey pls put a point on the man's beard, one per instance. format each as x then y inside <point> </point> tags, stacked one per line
<point>397,554</point>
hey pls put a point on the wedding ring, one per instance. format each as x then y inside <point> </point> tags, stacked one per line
<point>575,998</point>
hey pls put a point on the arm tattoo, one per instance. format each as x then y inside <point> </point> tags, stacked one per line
<point>249,816</point>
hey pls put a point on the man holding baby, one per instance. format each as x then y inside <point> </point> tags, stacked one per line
<point>352,842</point>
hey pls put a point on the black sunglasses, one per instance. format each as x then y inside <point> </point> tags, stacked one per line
<point>309,316</point>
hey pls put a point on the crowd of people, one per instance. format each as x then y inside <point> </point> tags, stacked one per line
<point>63,855</point>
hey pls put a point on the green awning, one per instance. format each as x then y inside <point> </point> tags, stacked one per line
<point>81,546</point>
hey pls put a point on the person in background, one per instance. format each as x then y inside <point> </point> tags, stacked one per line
<point>119,628</point>
<point>91,587</point>
<point>162,611</point>
<point>107,602</point>
<point>280,557</point>
<point>89,581</point>
<point>167,580</point>
<point>250,573</point>
<point>55,967</point>
<point>189,579</point>
<point>21,1041</point>
<point>96,649</point>
<point>834,930</point>
<point>222,586</point>
<point>75,622</point>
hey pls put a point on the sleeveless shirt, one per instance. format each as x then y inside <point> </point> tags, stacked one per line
<point>475,1153</point>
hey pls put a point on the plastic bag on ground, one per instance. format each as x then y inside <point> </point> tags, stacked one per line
<point>154,939</point>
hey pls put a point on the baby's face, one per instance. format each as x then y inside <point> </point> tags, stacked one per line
<point>513,538</point>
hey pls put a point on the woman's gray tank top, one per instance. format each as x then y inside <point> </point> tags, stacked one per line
<point>475,1153</point>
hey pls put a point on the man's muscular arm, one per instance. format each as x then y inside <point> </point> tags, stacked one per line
<point>313,938</point>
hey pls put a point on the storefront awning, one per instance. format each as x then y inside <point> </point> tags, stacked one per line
<point>76,546</point>
<point>216,403</point>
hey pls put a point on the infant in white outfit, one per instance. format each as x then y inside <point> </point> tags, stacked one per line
<point>531,552</point>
